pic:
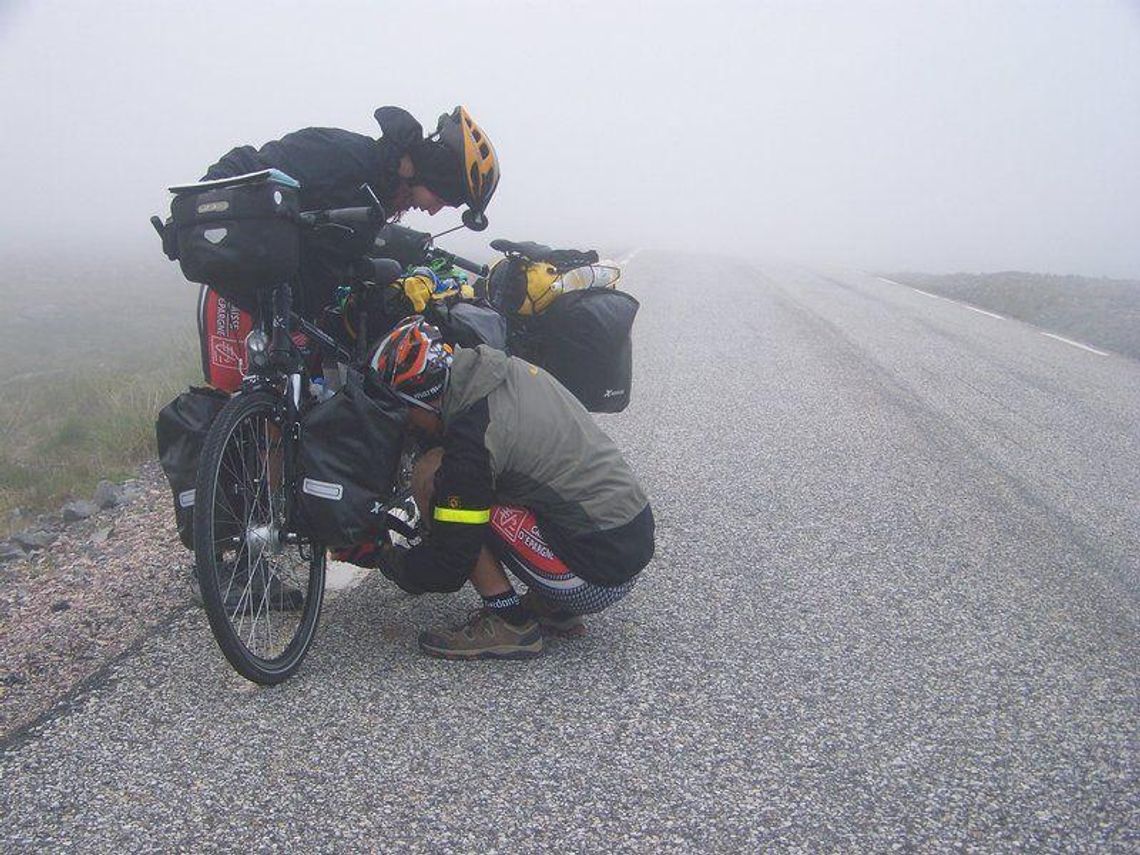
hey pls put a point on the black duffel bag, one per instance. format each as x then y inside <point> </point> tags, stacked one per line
<point>181,430</point>
<point>238,235</point>
<point>350,447</point>
<point>583,339</point>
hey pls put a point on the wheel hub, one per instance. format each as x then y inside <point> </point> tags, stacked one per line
<point>261,539</point>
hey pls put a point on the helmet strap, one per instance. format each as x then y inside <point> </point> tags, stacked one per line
<point>418,403</point>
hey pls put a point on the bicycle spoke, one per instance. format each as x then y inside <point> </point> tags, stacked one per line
<point>262,606</point>
<point>261,574</point>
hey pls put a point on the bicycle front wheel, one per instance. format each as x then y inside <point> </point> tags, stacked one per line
<point>262,585</point>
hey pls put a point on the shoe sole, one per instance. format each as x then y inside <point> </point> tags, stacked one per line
<point>527,651</point>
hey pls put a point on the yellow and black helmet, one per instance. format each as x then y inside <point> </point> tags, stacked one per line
<point>473,149</point>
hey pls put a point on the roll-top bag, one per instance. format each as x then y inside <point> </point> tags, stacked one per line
<point>584,340</point>
<point>470,323</point>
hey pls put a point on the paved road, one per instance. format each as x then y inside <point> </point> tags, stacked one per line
<point>895,602</point>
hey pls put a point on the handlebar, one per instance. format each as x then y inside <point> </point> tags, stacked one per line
<point>458,261</point>
<point>370,215</point>
<point>411,248</point>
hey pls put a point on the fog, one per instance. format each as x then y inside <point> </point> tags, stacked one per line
<point>888,135</point>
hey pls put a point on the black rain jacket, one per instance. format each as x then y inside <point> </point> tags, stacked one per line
<point>331,165</point>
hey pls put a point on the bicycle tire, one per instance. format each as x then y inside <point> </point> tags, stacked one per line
<point>240,557</point>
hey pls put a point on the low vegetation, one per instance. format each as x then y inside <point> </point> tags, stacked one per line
<point>90,356</point>
<point>64,432</point>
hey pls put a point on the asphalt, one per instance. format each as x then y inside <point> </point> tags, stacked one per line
<point>894,605</point>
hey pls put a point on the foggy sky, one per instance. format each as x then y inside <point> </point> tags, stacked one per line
<point>972,136</point>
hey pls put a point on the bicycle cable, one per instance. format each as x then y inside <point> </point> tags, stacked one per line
<point>448,231</point>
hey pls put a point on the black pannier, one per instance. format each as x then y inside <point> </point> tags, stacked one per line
<point>238,235</point>
<point>181,431</point>
<point>470,323</point>
<point>350,447</point>
<point>583,339</point>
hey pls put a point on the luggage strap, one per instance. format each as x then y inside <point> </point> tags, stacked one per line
<point>274,176</point>
<point>397,525</point>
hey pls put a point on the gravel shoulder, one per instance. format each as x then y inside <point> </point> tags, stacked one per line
<point>68,609</point>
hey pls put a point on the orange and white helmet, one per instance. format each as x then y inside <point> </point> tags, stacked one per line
<point>414,361</point>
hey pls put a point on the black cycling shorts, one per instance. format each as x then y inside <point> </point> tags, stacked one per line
<point>518,544</point>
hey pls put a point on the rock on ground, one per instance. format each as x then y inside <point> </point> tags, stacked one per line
<point>108,495</point>
<point>31,539</point>
<point>78,510</point>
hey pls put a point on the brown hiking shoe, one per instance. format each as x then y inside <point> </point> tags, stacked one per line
<point>485,635</point>
<point>552,620</point>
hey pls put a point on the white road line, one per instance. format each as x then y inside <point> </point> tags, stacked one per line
<point>992,315</point>
<point>940,297</point>
<point>1075,343</point>
<point>980,311</point>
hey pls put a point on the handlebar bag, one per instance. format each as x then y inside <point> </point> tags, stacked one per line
<point>239,238</point>
<point>181,430</point>
<point>583,339</point>
<point>349,449</point>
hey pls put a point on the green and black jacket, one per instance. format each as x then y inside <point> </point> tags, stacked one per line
<point>513,435</point>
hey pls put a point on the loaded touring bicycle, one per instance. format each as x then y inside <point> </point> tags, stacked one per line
<point>310,452</point>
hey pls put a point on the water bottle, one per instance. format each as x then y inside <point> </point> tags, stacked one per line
<point>319,389</point>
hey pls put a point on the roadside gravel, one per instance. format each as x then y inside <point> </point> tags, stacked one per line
<point>68,609</point>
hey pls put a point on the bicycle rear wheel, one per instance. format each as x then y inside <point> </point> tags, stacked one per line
<point>262,586</point>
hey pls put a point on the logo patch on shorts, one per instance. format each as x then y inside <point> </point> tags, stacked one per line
<point>507,521</point>
<point>519,530</point>
<point>225,353</point>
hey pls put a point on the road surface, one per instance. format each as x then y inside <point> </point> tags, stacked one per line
<point>894,603</point>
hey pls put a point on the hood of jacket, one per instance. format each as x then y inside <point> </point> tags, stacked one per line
<point>475,373</point>
<point>398,128</point>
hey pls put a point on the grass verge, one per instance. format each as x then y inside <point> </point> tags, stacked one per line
<point>65,430</point>
<point>1101,312</point>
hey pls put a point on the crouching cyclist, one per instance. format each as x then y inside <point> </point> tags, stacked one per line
<point>523,479</point>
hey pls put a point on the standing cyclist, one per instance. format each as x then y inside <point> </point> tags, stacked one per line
<point>525,477</point>
<point>454,166</point>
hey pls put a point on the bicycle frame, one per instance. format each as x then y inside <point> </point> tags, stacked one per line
<point>275,363</point>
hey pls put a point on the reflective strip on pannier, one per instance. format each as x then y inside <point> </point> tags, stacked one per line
<point>323,489</point>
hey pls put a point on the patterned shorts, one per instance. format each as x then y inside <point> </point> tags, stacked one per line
<point>518,544</point>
